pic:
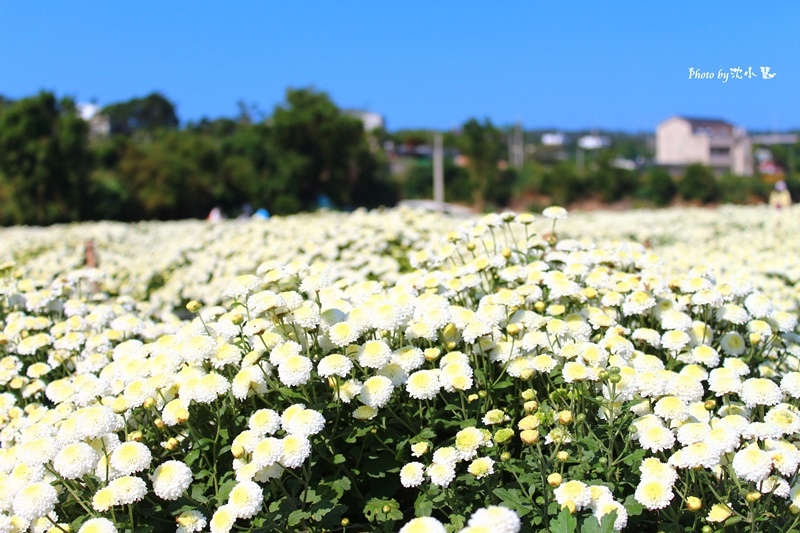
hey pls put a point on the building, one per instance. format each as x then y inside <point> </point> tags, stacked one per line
<point>99,124</point>
<point>681,141</point>
<point>371,121</point>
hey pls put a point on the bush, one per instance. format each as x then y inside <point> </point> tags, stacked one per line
<point>698,183</point>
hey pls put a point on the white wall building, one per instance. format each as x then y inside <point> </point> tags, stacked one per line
<point>681,141</point>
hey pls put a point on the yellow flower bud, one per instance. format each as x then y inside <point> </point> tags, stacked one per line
<point>554,479</point>
<point>565,418</point>
<point>589,292</point>
<point>562,456</point>
<point>149,403</point>
<point>531,406</point>
<point>528,422</point>
<point>539,306</point>
<point>135,436</point>
<point>512,329</point>
<point>506,252</point>
<point>237,319</point>
<point>528,394</point>
<point>569,505</point>
<point>193,306</point>
<point>755,338</point>
<point>753,497</point>
<point>693,503</point>
<point>237,451</point>
<point>159,423</point>
<point>529,436</point>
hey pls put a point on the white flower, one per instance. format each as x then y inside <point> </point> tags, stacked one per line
<point>498,519</point>
<point>412,474</point>
<point>245,499</point>
<point>35,500</point>
<point>171,479</point>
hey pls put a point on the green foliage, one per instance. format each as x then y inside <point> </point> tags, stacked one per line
<point>44,161</point>
<point>148,114</point>
<point>481,143</point>
<point>698,184</point>
<point>658,187</point>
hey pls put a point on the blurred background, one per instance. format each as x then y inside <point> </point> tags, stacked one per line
<point>152,111</point>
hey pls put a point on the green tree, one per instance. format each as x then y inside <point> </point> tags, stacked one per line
<point>322,151</point>
<point>658,187</point>
<point>147,114</point>
<point>698,183</point>
<point>482,144</point>
<point>44,161</point>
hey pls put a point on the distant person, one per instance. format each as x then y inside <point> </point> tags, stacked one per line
<point>215,215</point>
<point>261,214</point>
<point>780,198</point>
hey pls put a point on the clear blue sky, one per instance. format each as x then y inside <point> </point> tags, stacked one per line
<point>612,65</point>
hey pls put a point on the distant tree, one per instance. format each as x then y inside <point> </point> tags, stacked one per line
<point>44,161</point>
<point>610,182</point>
<point>698,183</point>
<point>147,114</point>
<point>482,144</point>
<point>659,187</point>
<point>323,151</point>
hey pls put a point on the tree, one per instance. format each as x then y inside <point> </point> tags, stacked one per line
<point>323,152</point>
<point>698,183</point>
<point>482,145</point>
<point>44,161</point>
<point>147,114</point>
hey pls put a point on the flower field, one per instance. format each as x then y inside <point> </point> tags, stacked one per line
<point>396,370</point>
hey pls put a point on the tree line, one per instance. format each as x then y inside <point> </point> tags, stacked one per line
<point>308,152</point>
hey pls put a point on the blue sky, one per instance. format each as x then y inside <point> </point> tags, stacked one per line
<point>614,65</point>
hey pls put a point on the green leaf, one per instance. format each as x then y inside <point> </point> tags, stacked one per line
<point>423,506</point>
<point>633,507</point>
<point>565,523</point>
<point>591,525</point>
<point>340,486</point>
<point>382,510</point>
<point>339,459</point>
<point>297,516</point>
<point>514,499</point>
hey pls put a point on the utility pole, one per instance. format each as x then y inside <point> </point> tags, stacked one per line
<point>438,169</point>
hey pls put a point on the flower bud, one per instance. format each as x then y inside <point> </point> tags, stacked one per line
<point>755,338</point>
<point>539,306</point>
<point>562,456</point>
<point>614,378</point>
<point>171,443</point>
<point>531,406</point>
<point>710,405</point>
<point>603,375</point>
<point>554,479</point>
<point>503,435</point>
<point>237,451</point>
<point>345,522</point>
<point>193,306</point>
<point>159,423</point>
<point>614,370</point>
<point>149,403</point>
<point>565,418</point>
<point>471,398</point>
<point>753,497</point>
<point>505,456</point>
<point>512,329</point>
<point>432,354</point>
<point>570,506</point>
<point>528,394</point>
<point>470,246</point>
<point>529,436</point>
<point>693,503</point>
<point>589,292</point>
<point>237,319</point>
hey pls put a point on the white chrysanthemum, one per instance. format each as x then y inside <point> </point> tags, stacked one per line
<point>295,370</point>
<point>758,305</point>
<point>37,451</point>
<point>130,457</point>
<point>785,322</point>
<point>343,333</point>
<point>785,456</point>
<point>264,422</point>
<point>441,474</point>
<point>671,408</point>
<point>408,357</point>
<point>650,336</point>
<point>671,320</point>
<point>374,354</point>
<point>376,391</point>
<point>267,452</point>
<point>306,422</point>
<point>170,479</point>
<point>191,522</point>
<point>35,500</point>
<point>175,412</point>
<point>334,365</point>
<point>637,302</point>
<point>609,506</point>
<point>760,391</point>
<point>724,381</point>
<point>653,468</point>
<point>733,313</point>
<point>423,524</point>
<point>790,384</point>
<point>575,491</point>
<point>732,344</point>
<point>761,431</point>
<point>223,519</point>
<point>651,384</point>
<point>675,340</point>
<point>498,519</point>
<point>752,463</point>
<point>242,286</point>
<point>283,351</point>
<point>575,371</point>
<point>653,494</point>
<point>699,454</point>
<point>98,525</point>
<point>296,449</point>
<point>198,349</point>
<point>481,467</point>
<point>245,499</point>
<point>412,474</point>
<point>656,438</point>
<point>127,489</point>
<point>249,379</point>
<point>423,384</point>
<point>75,460</point>
<point>685,387</point>
<point>692,432</point>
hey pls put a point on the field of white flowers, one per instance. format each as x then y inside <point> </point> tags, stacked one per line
<point>404,371</point>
